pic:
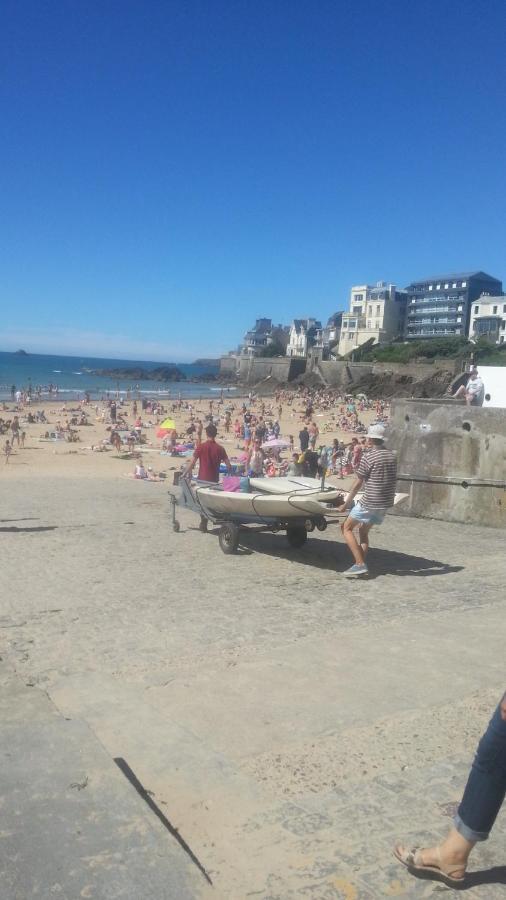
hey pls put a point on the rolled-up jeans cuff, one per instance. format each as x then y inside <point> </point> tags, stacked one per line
<point>467,832</point>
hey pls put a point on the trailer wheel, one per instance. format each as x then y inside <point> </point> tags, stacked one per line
<point>229,538</point>
<point>296,536</point>
<point>321,524</point>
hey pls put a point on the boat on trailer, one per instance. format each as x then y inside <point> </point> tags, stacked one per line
<point>292,504</point>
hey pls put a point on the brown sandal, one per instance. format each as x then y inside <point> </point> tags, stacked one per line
<point>412,859</point>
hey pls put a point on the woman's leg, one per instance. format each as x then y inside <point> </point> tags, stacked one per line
<point>486,786</point>
<point>483,797</point>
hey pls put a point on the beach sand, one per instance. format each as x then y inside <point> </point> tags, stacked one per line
<point>40,458</point>
<point>291,725</point>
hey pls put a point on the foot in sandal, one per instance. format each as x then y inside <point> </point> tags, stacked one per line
<point>438,862</point>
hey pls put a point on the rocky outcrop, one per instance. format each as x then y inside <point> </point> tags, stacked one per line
<point>137,373</point>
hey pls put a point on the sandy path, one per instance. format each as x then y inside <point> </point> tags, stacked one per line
<point>290,724</point>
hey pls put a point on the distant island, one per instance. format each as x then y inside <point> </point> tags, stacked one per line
<point>20,353</point>
<point>137,373</point>
<point>207,362</point>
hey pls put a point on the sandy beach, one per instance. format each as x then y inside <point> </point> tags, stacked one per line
<point>41,457</point>
<point>291,726</point>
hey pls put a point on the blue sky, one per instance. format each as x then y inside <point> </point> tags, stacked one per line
<point>171,171</point>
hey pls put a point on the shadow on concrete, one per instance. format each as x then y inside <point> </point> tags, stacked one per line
<point>495,875</point>
<point>334,555</point>
<point>15,529</point>
<point>23,519</point>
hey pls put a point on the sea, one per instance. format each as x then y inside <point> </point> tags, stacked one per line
<point>69,377</point>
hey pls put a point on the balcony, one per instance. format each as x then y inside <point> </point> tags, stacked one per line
<point>353,322</point>
<point>435,310</point>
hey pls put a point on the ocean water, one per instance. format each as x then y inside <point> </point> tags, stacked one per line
<point>71,374</point>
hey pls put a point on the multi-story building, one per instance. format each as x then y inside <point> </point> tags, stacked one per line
<point>326,339</point>
<point>376,312</point>
<point>441,306</point>
<point>302,336</point>
<point>261,335</point>
<point>488,318</point>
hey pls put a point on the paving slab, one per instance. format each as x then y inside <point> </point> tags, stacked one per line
<point>72,825</point>
<point>291,724</point>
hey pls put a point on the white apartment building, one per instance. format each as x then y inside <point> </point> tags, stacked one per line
<point>488,318</point>
<point>302,336</point>
<point>376,312</point>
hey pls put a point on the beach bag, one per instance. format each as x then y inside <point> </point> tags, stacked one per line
<point>231,483</point>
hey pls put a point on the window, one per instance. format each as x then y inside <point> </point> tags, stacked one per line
<point>357,298</point>
<point>464,284</point>
<point>503,325</point>
<point>502,339</point>
<point>345,323</point>
<point>413,300</point>
<point>430,287</point>
<point>376,324</point>
<point>459,318</point>
<point>351,335</point>
<point>476,310</point>
<point>446,286</point>
<point>369,324</point>
<point>438,287</point>
<point>357,310</point>
<point>494,310</point>
<point>454,285</point>
<point>378,309</point>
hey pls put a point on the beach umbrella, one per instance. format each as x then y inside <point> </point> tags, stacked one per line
<point>275,444</point>
<point>165,428</point>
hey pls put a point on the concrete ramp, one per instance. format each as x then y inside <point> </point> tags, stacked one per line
<point>72,825</point>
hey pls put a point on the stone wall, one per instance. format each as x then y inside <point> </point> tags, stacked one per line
<point>417,370</point>
<point>447,440</point>
<point>252,370</point>
<point>228,365</point>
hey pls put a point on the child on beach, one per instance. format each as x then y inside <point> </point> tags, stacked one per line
<point>7,451</point>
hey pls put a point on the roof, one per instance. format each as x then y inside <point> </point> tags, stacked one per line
<point>457,275</point>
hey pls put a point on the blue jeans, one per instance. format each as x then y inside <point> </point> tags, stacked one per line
<point>486,786</point>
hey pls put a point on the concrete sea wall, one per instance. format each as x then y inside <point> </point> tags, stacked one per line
<point>251,371</point>
<point>334,373</point>
<point>455,456</point>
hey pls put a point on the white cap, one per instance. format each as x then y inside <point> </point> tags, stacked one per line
<point>376,431</point>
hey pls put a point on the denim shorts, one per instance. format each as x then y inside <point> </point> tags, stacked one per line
<point>367,516</point>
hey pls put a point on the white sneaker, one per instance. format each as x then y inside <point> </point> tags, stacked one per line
<point>355,571</point>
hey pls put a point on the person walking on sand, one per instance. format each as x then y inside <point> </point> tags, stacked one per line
<point>209,455</point>
<point>483,797</point>
<point>7,451</point>
<point>304,439</point>
<point>15,430</point>
<point>378,471</point>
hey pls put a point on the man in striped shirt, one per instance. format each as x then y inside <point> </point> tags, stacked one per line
<point>377,474</point>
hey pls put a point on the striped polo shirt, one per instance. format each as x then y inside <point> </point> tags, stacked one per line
<point>378,468</point>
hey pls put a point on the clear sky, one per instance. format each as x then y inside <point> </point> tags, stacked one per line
<point>170,171</point>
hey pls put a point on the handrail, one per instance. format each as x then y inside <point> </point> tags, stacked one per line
<point>454,479</point>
